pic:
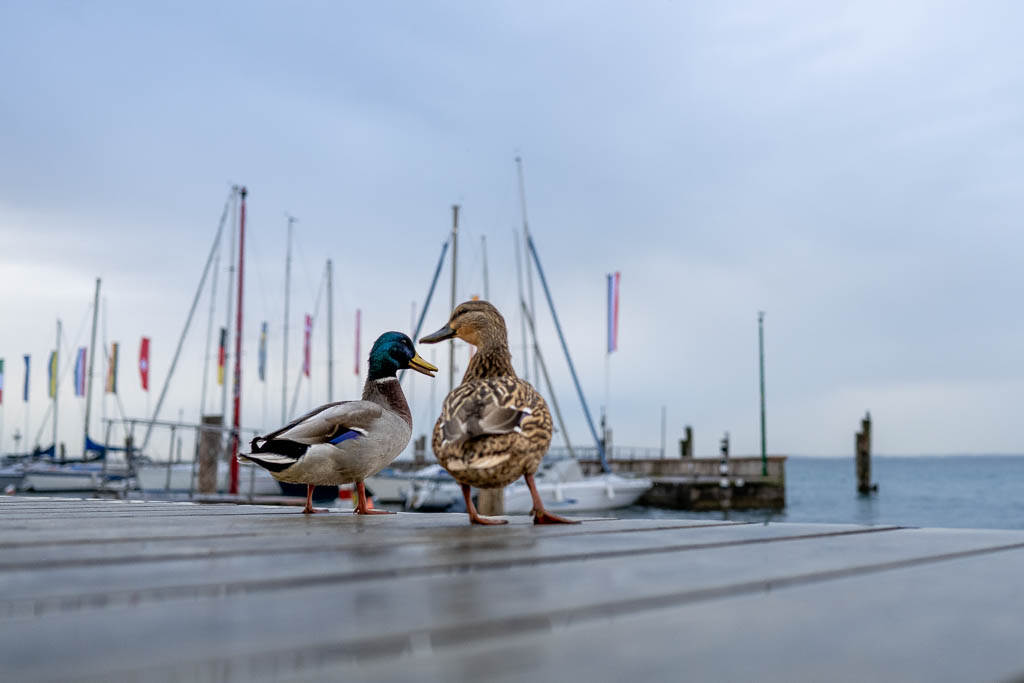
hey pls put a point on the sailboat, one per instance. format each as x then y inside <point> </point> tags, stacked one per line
<point>48,472</point>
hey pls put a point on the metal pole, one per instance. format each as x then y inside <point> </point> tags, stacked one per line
<point>181,340</point>
<point>455,262</point>
<point>568,358</point>
<point>526,239</point>
<point>330,331</point>
<point>170,462</point>
<point>92,361</point>
<point>426,303</point>
<point>663,432</point>
<point>487,283</point>
<point>233,464</point>
<point>231,301</point>
<point>106,446</point>
<point>213,302</point>
<point>284,339</point>
<point>522,298</point>
<point>760,346</point>
<point>412,323</point>
<point>56,390</point>
<point>547,380</point>
<point>195,459</point>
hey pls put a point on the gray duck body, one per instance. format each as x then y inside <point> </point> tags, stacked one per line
<point>339,443</point>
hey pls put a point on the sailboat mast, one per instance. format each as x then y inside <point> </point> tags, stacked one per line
<point>55,383</point>
<point>523,312</point>
<point>209,320</point>
<point>213,302</point>
<point>529,276</point>
<point>284,339</point>
<point>455,261</point>
<point>231,297</point>
<point>236,420</point>
<point>330,331</point>
<point>92,360</point>
<point>487,283</point>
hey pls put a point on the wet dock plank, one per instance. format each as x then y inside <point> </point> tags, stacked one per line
<point>157,591</point>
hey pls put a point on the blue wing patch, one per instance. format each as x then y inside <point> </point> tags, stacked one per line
<point>345,436</point>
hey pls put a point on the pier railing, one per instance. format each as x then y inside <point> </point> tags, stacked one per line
<point>172,446</point>
<point>613,452</point>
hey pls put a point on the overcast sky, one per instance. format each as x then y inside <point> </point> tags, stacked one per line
<point>852,169</point>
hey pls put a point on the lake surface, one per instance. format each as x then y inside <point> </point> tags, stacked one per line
<point>965,491</point>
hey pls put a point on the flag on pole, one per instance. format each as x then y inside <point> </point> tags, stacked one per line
<point>144,363</point>
<point>25,395</point>
<point>52,381</point>
<point>263,352</point>
<point>359,315</point>
<point>222,351</point>
<point>112,370</point>
<point>1,381</point>
<point>305,345</point>
<point>613,312</point>
<point>80,372</point>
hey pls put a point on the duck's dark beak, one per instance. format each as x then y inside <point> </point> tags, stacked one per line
<point>420,365</point>
<point>445,332</point>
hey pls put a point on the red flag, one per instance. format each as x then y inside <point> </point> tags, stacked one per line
<point>359,314</point>
<point>144,363</point>
<point>305,347</point>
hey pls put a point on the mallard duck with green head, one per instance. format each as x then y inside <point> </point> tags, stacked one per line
<point>347,441</point>
<point>494,427</point>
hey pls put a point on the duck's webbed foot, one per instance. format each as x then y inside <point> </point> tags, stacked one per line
<point>474,516</point>
<point>545,517</point>
<point>540,515</point>
<point>363,505</point>
<point>309,509</point>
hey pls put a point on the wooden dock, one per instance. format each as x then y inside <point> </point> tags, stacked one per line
<point>97,590</point>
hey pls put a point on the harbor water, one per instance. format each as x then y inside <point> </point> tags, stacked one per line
<point>962,491</point>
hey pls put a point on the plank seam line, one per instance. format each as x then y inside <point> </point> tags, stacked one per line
<point>39,606</point>
<point>256,534</point>
<point>490,544</point>
<point>452,637</point>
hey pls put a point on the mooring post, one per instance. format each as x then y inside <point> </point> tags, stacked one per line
<point>210,445</point>
<point>688,443</point>
<point>491,502</point>
<point>863,450</point>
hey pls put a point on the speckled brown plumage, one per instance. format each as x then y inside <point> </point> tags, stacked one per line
<point>494,427</point>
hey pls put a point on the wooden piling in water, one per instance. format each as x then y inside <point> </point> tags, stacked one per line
<point>686,444</point>
<point>863,457</point>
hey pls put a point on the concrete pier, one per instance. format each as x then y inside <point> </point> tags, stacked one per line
<point>697,483</point>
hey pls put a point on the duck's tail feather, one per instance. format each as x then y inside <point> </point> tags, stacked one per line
<point>273,454</point>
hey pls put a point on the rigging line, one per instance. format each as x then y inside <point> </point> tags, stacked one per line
<point>256,255</point>
<point>302,255</point>
<point>313,317</point>
<point>62,372</point>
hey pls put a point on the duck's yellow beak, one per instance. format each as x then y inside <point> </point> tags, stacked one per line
<point>445,332</point>
<point>420,365</point>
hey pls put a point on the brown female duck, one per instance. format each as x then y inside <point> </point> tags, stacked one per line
<point>494,427</point>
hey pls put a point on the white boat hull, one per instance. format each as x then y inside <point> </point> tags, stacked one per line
<point>68,477</point>
<point>601,492</point>
<point>153,477</point>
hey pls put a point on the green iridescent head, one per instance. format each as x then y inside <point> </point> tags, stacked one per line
<point>393,351</point>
